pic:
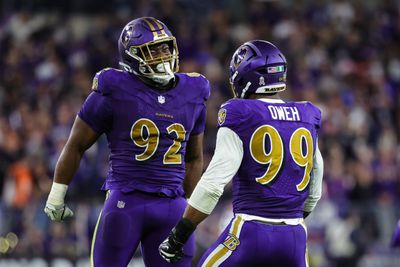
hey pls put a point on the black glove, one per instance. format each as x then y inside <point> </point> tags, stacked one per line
<point>171,249</point>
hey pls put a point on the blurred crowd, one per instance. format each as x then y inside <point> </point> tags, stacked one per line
<point>344,56</point>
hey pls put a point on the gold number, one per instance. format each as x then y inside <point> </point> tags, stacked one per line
<point>148,139</point>
<point>172,156</point>
<point>144,133</point>
<point>304,160</point>
<point>273,158</point>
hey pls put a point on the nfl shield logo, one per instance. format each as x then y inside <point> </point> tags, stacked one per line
<point>120,204</point>
<point>161,99</point>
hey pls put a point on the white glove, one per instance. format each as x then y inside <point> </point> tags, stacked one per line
<point>55,207</point>
<point>58,212</point>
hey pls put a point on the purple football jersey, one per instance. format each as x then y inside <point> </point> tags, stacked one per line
<point>279,141</point>
<point>147,130</point>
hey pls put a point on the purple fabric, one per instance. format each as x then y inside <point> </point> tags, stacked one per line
<point>130,218</point>
<point>259,244</point>
<point>279,198</point>
<point>119,101</point>
<point>96,111</point>
<point>200,124</point>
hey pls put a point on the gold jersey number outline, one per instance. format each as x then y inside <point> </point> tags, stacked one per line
<point>274,157</point>
<point>152,139</point>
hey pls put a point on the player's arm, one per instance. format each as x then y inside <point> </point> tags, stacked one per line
<point>223,166</point>
<point>193,162</point>
<point>194,154</point>
<point>315,183</point>
<point>80,139</point>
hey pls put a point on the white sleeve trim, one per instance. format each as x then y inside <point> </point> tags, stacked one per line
<point>316,182</point>
<point>223,166</point>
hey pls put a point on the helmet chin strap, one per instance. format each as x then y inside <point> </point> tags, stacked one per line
<point>162,79</point>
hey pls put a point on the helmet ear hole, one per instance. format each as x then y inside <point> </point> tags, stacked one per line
<point>263,70</point>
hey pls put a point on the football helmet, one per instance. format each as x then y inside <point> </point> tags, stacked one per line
<point>137,43</point>
<point>257,67</point>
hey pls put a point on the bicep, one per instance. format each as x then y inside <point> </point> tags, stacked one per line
<point>82,136</point>
<point>194,147</point>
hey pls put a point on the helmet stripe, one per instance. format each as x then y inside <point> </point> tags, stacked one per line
<point>151,27</point>
<point>159,25</point>
<point>155,26</point>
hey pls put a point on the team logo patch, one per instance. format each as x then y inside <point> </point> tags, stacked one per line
<point>231,242</point>
<point>221,116</point>
<point>240,56</point>
<point>128,35</point>
<point>95,83</point>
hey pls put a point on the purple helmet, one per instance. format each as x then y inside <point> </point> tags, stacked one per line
<point>135,43</point>
<point>257,67</point>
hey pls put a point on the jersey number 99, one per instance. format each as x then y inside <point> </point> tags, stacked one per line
<point>275,156</point>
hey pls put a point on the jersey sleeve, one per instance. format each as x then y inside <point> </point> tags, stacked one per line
<point>204,89</point>
<point>96,111</point>
<point>200,123</point>
<point>224,164</point>
<point>230,115</point>
<point>315,181</point>
<point>317,116</point>
<point>102,80</point>
<point>202,86</point>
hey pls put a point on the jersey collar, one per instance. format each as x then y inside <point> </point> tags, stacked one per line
<point>270,100</point>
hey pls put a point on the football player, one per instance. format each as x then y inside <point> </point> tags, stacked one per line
<point>269,148</point>
<point>154,119</point>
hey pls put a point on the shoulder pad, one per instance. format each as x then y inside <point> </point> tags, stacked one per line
<point>207,89</point>
<point>103,79</point>
<point>201,83</point>
<point>230,113</point>
<point>194,74</point>
<point>317,114</point>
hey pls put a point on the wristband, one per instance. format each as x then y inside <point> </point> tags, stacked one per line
<point>183,230</point>
<point>57,193</point>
